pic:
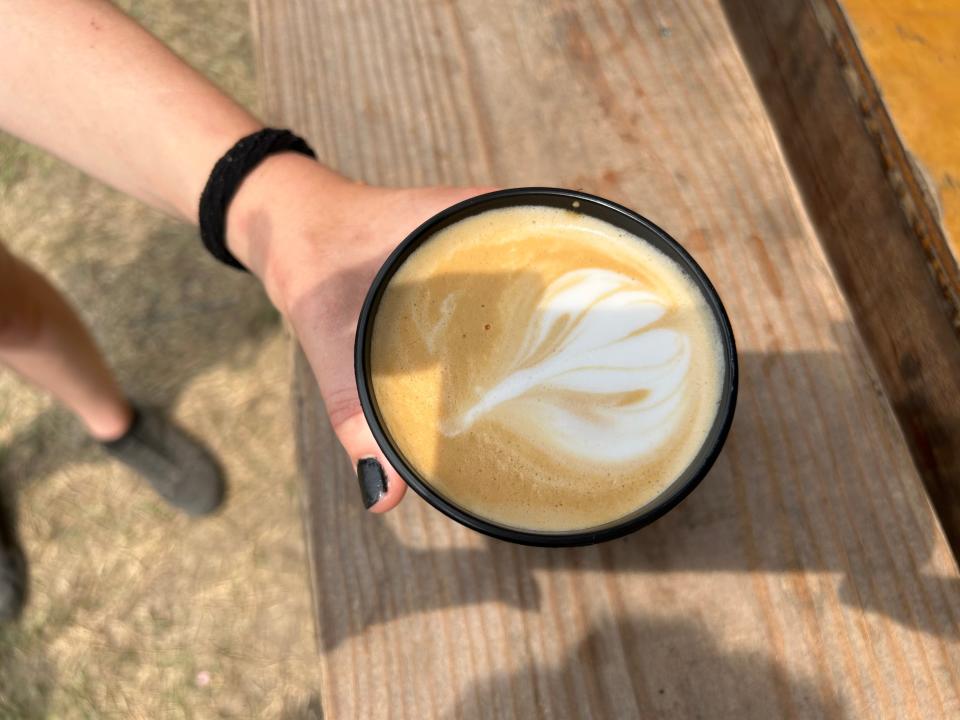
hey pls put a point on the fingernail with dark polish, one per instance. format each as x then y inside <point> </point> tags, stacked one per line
<point>373,481</point>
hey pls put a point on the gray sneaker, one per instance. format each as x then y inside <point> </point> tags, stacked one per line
<point>179,468</point>
<point>13,569</point>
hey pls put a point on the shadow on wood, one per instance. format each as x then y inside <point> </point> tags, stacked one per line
<point>736,521</point>
<point>738,684</point>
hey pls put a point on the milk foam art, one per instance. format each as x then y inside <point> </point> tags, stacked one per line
<point>546,367</point>
<point>595,376</point>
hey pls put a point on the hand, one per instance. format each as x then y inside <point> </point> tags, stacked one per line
<point>316,240</point>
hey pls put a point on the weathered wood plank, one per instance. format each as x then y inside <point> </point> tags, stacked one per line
<point>807,577</point>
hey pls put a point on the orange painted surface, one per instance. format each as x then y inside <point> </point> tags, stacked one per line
<point>913,50</point>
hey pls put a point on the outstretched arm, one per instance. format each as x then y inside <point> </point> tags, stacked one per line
<point>82,80</point>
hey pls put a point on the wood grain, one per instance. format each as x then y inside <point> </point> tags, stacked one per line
<point>807,577</point>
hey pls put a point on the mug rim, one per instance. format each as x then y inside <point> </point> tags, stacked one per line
<point>647,513</point>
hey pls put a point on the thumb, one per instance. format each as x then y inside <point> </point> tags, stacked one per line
<point>381,487</point>
<point>325,322</point>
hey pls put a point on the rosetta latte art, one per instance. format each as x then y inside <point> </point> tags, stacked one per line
<point>545,369</point>
<point>598,375</point>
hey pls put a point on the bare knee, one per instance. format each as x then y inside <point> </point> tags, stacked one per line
<point>21,318</point>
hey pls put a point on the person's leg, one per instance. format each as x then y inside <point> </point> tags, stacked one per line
<point>44,341</point>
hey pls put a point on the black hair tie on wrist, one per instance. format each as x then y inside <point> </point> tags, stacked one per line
<point>226,177</point>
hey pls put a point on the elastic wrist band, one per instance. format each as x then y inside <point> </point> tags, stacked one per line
<point>226,177</point>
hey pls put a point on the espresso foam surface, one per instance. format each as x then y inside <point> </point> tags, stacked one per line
<point>545,369</point>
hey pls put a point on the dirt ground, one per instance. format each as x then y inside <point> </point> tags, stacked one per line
<point>136,611</point>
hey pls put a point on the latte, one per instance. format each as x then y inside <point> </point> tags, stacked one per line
<point>543,369</point>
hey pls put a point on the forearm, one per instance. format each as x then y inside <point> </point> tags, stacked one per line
<point>82,80</point>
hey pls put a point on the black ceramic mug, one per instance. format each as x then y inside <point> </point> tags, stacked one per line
<point>622,218</point>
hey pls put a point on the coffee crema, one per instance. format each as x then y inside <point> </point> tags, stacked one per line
<point>543,369</point>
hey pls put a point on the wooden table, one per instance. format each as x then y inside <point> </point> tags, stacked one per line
<point>808,576</point>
